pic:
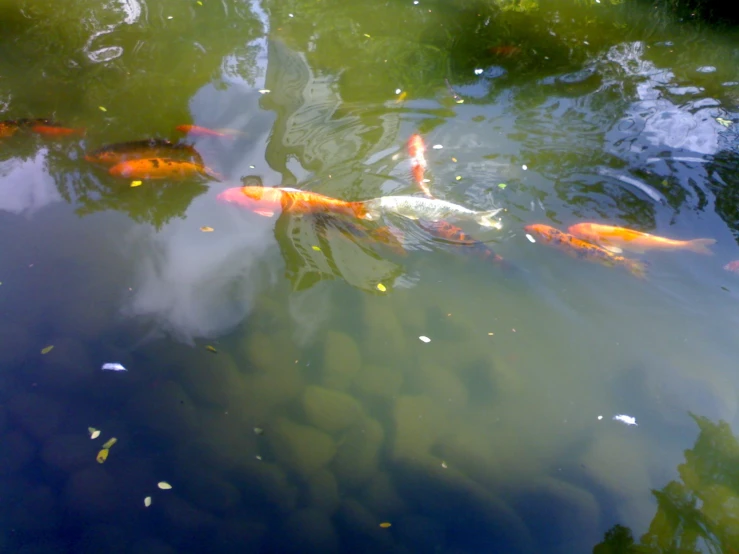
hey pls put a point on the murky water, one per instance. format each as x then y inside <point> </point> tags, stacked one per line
<point>275,375</point>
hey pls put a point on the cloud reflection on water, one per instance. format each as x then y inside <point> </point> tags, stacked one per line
<point>26,186</point>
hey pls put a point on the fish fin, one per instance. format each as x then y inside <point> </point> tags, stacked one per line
<point>212,174</point>
<point>487,219</point>
<point>265,213</point>
<point>700,246</point>
<point>638,268</point>
<point>612,248</point>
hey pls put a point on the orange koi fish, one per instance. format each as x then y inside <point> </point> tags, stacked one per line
<point>617,239</point>
<point>205,132</point>
<point>161,168</point>
<point>579,248</point>
<point>266,201</point>
<point>56,130</point>
<point>455,235</point>
<point>141,149</point>
<point>416,151</point>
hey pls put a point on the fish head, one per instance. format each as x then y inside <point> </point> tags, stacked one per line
<point>254,198</point>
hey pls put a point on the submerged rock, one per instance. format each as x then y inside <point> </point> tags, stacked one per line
<point>309,531</point>
<point>418,423</point>
<point>358,455</point>
<point>302,448</point>
<point>341,360</point>
<point>329,409</point>
<point>323,491</point>
<point>379,381</point>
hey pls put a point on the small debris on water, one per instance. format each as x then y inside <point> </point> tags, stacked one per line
<point>524,167</point>
<point>502,186</point>
<point>147,501</point>
<point>398,91</point>
<point>385,524</point>
<point>423,338</point>
<point>258,430</point>
<point>381,287</point>
<point>531,239</point>
<point>110,443</point>
<point>102,109</point>
<point>600,417</point>
<point>113,366</point>
<point>458,177</point>
<point>261,91</point>
<point>94,433</point>
<point>724,122</point>
<point>443,464</point>
<point>478,71</point>
<point>47,349</point>
<point>164,485</point>
<point>258,458</point>
<point>437,147</point>
<point>454,159</point>
<point>210,348</point>
<point>626,419</point>
<point>136,183</point>
<point>102,455</point>
<point>316,248</point>
<point>206,229</point>
<point>170,17</point>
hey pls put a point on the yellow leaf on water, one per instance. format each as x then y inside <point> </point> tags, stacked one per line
<point>210,348</point>
<point>206,229</point>
<point>164,485</point>
<point>365,34</point>
<point>454,159</point>
<point>385,524</point>
<point>458,177</point>
<point>316,248</point>
<point>110,442</point>
<point>381,287</point>
<point>102,455</point>
<point>94,433</point>
<point>102,109</point>
<point>147,500</point>
<point>47,349</point>
<point>136,183</point>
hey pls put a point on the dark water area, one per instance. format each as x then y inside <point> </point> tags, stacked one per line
<point>304,383</point>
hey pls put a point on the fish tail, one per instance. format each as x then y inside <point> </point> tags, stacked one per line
<point>487,219</point>
<point>212,174</point>
<point>700,246</point>
<point>638,268</point>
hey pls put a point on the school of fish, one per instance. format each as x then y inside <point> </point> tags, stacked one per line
<point>162,159</point>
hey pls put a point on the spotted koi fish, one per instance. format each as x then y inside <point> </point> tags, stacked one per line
<point>113,154</point>
<point>617,239</point>
<point>428,209</point>
<point>579,248</point>
<point>266,201</point>
<point>162,168</point>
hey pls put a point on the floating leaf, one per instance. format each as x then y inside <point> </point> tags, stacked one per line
<point>94,433</point>
<point>147,500</point>
<point>365,34</point>
<point>110,442</point>
<point>164,485</point>
<point>724,122</point>
<point>381,287</point>
<point>47,349</point>
<point>424,339</point>
<point>210,348</point>
<point>502,186</point>
<point>458,177</point>
<point>206,229</point>
<point>136,183</point>
<point>258,431</point>
<point>102,109</point>
<point>385,524</point>
<point>454,160</point>
<point>102,455</point>
<point>316,248</point>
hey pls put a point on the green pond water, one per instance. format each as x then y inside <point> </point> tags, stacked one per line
<point>275,375</point>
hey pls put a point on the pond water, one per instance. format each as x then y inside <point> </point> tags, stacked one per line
<point>303,387</point>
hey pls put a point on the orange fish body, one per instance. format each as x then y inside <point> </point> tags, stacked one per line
<point>447,231</point>
<point>113,154</point>
<point>8,128</point>
<point>267,201</point>
<point>56,131</point>
<point>161,168</point>
<point>205,132</point>
<point>416,151</point>
<point>579,248</point>
<point>636,241</point>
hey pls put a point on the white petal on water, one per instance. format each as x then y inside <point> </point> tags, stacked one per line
<point>600,417</point>
<point>113,366</point>
<point>164,485</point>
<point>531,239</point>
<point>478,71</point>
<point>147,501</point>
<point>524,167</point>
<point>623,418</point>
<point>398,91</point>
<point>423,338</point>
<point>95,434</point>
<point>437,147</point>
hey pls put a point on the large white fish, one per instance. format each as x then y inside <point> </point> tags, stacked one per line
<point>429,209</point>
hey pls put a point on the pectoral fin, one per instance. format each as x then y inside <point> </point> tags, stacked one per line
<point>265,213</point>
<point>612,248</point>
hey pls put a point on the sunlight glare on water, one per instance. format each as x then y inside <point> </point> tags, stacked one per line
<point>319,382</point>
